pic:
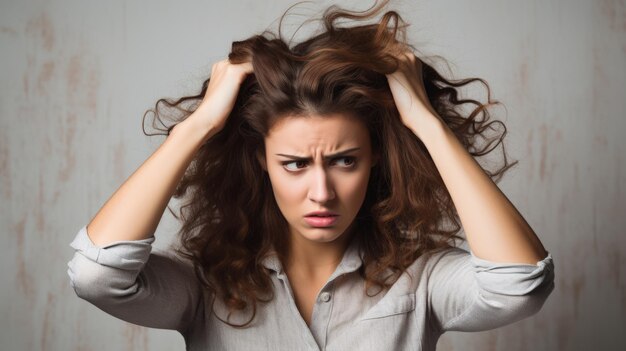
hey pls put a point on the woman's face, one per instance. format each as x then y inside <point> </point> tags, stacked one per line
<point>307,174</point>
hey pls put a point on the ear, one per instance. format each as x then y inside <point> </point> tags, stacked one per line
<point>260,156</point>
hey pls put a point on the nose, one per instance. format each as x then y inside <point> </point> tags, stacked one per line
<point>320,191</point>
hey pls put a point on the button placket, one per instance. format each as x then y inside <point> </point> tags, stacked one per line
<point>308,332</point>
<point>321,314</point>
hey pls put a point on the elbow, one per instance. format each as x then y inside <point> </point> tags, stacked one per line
<point>97,283</point>
<point>530,304</point>
<point>517,307</point>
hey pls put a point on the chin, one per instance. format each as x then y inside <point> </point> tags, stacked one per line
<point>321,235</point>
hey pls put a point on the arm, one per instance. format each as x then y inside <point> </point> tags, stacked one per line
<point>507,275</point>
<point>134,210</point>
<point>494,228</point>
<point>113,267</point>
<point>126,280</point>
<point>467,293</point>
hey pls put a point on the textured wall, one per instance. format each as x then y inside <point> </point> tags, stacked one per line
<point>76,77</point>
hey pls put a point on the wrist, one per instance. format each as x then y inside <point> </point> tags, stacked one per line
<point>195,128</point>
<point>430,128</point>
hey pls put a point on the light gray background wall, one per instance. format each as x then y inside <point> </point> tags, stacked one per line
<point>76,77</point>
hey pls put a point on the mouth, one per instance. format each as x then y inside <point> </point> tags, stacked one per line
<point>321,221</point>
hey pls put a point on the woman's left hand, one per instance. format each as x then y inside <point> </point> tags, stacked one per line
<point>409,94</point>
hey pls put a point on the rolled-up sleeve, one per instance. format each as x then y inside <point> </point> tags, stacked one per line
<point>129,281</point>
<point>467,293</point>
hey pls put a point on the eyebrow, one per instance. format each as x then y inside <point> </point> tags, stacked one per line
<point>340,153</point>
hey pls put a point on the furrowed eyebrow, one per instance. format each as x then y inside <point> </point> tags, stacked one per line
<point>341,153</point>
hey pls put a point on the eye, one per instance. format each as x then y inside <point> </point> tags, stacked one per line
<point>290,162</point>
<point>349,164</point>
<point>350,159</point>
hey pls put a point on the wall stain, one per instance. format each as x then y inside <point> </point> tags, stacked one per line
<point>6,181</point>
<point>73,75</point>
<point>600,80</point>
<point>528,56</point>
<point>67,139</point>
<point>576,178</point>
<point>25,87</point>
<point>594,227</point>
<point>118,160</point>
<point>615,13</point>
<point>41,26</point>
<point>540,326</point>
<point>45,75</point>
<point>24,277</point>
<point>81,340</point>
<point>136,337</point>
<point>93,83</point>
<point>40,206</point>
<point>578,283</point>
<point>543,135</point>
<point>565,321</point>
<point>529,155</point>
<point>490,343</point>
<point>523,76</point>
<point>615,259</point>
<point>48,329</point>
<point>8,30</point>
<point>82,81</point>
<point>601,142</point>
<point>30,67</point>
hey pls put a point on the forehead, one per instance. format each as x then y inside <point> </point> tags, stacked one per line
<point>329,131</point>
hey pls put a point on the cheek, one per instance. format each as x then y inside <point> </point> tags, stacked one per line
<point>353,189</point>
<point>286,193</point>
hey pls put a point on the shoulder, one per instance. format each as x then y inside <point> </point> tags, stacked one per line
<point>434,266</point>
<point>432,260</point>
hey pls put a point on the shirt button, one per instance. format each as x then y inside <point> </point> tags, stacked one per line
<point>325,296</point>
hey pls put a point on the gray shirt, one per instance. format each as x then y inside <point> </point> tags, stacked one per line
<point>451,290</point>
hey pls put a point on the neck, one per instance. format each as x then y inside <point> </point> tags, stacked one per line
<point>316,259</point>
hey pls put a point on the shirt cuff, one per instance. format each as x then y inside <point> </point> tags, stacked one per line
<point>125,254</point>
<point>512,278</point>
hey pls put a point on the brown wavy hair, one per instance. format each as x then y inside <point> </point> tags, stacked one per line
<point>230,219</point>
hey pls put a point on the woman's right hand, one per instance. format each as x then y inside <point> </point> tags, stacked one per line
<point>221,94</point>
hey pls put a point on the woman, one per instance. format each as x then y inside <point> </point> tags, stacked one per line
<point>319,180</point>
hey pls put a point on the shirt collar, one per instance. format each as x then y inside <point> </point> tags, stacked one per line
<point>351,261</point>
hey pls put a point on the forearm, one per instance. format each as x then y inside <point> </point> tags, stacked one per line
<point>494,228</point>
<point>135,209</point>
